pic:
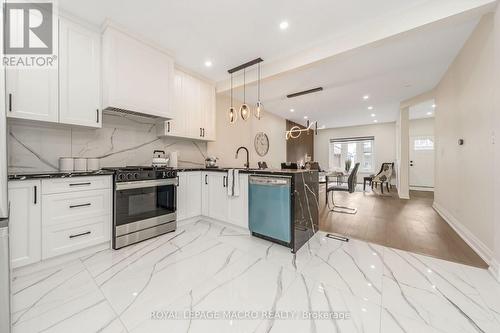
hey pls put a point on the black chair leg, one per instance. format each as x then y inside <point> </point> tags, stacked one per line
<point>387,185</point>
<point>382,187</point>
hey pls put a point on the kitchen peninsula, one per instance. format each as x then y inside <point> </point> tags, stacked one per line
<point>204,192</point>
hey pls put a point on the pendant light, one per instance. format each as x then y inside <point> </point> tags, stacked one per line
<point>259,107</point>
<point>244,109</point>
<point>232,114</point>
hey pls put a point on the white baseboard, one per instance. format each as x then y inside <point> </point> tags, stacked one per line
<point>475,243</point>
<point>420,188</point>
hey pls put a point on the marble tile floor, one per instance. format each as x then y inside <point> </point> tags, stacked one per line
<point>211,271</point>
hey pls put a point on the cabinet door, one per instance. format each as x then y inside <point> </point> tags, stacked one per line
<point>193,195</point>
<point>191,88</point>
<point>217,196</point>
<point>207,92</point>
<point>25,222</point>
<point>177,126</point>
<point>136,76</point>
<point>204,194</point>
<point>181,196</point>
<point>32,94</point>
<point>238,206</point>
<point>79,75</point>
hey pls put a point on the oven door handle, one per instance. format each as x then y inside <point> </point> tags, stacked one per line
<point>146,183</point>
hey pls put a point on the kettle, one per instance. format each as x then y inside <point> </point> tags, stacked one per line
<point>211,162</point>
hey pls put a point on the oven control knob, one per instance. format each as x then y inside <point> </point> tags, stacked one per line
<point>136,175</point>
<point>167,174</point>
<point>120,176</point>
<point>130,176</point>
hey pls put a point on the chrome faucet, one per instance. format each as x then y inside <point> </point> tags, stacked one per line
<point>247,164</point>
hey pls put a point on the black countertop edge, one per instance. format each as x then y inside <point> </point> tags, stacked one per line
<point>58,174</point>
<point>248,171</point>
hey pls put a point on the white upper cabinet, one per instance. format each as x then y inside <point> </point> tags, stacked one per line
<point>136,76</point>
<point>32,94</point>
<point>68,94</point>
<point>194,109</point>
<point>79,75</point>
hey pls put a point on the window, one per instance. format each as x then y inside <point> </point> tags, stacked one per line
<point>423,143</point>
<point>353,149</point>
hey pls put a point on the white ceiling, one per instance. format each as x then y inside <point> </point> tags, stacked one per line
<point>230,32</point>
<point>389,71</point>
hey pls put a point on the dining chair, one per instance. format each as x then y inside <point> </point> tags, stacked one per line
<point>350,188</point>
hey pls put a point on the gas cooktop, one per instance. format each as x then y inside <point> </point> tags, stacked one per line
<point>138,173</point>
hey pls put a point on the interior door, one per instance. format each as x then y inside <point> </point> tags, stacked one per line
<point>422,162</point>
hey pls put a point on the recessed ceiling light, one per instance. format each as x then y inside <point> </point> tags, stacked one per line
<point>284,25</point>
<point>373,114</point>
<point>433,106</point>
<point>365,97</point>
<point>429,113</point>
<point>305,117</point>
<point>208,63</point>
<point>375,121</point>
<point>370,108</point>
<point>292,110</point>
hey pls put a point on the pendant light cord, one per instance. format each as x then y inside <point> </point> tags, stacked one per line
<point>244,86</point>
<point>231,89</point>
<point>258,87</point>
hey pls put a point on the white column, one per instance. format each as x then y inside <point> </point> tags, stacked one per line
<point>403,153</point>
<point>494,266</point>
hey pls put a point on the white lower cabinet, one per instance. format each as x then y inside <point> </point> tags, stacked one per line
<point>238,206</point>
<point>215,202</point>
<point>51,217</point>
<point>25,222</point>
<point>189,195</point>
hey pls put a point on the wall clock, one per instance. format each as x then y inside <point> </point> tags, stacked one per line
<point>261,143</point>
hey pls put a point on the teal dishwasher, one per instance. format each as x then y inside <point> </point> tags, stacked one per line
<point>269,208</point>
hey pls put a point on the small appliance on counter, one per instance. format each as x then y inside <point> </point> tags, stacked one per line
<point>160,159</point>
<point>173,159</point>
<point>211,162</point>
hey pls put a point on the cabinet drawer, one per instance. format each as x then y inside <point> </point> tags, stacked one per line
<point>75,184</point>
<point>64,238</point>
<point>66,207</point>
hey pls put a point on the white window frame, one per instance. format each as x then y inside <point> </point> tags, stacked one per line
<point>338,162</point>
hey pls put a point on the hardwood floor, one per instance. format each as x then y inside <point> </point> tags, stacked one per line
<point>411,225</point>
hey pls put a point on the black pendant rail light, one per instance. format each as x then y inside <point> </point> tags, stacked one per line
<point>245,110</point>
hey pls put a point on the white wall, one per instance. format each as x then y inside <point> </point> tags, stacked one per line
<point>385,143</point>
<point>242,133</point>
<point>463,185</point>
<point>496,124</point>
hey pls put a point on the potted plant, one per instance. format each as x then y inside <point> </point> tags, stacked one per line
<point>348,165</point>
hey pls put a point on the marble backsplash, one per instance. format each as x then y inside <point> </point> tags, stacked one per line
<point>123,140</point>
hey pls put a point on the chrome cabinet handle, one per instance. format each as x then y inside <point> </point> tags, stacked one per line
<point>80,184</point>
<point>82,205</point>
<point>79,235</point>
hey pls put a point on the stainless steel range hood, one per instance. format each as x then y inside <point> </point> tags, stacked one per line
<point>123,112</point>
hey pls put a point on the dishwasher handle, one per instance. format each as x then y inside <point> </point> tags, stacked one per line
<point>270,181</point>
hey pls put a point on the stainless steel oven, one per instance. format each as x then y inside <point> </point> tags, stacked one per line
<point>144,205</point>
